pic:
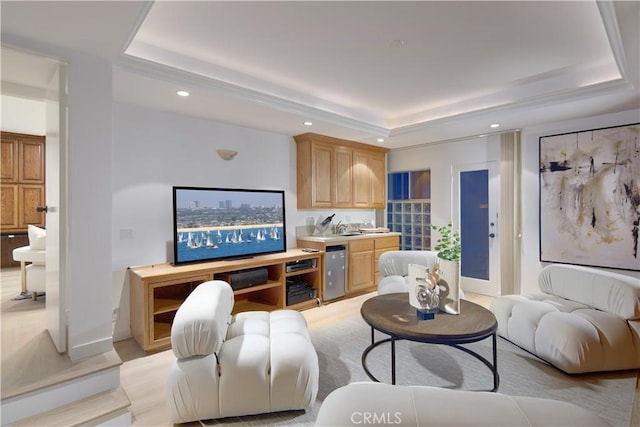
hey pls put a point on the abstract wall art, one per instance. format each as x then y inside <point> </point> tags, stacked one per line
<point>590,197</point>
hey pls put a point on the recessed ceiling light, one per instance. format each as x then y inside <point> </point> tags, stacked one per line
<point>182,93</point>
<point>380,139</point>
<point>308,123</point>
<point>495,125</point>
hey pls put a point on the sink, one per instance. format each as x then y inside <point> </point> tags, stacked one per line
<point>350,234</point>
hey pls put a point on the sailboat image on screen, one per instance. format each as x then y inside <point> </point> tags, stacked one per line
<point>212,224</point>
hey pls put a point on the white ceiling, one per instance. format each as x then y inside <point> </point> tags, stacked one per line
<point>408,72</point>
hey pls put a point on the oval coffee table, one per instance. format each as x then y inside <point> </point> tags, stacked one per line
<point>391,314</point>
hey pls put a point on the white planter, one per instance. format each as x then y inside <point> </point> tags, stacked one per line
<point>449,286</point>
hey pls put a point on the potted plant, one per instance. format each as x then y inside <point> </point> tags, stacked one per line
<point>449,249</point>
<point>448,245</point>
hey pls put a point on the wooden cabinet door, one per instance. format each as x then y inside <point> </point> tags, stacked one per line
<point>322,184</point>
<point>343,181</point>
<point>361,259</point>
<point>9,159</point>
<point>382,245</point>
<point>361,180</point>
<point>9,207</point>
<point>361,271</point>
<point>31,196</point>
<point>31,162</point>
<point>377,169</point>
<point>22,171</point>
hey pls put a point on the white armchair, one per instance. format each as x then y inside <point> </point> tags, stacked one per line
<point>394,268</point>
<point>32,263</point>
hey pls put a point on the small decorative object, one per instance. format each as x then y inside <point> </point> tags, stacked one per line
<point>449,250</point>
<point>323,224</point>
<point>423,291</point>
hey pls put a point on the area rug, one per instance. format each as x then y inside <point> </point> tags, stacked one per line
<point>340,347</point>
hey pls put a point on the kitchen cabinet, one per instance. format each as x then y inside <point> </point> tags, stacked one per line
<point>337,173</point>
<point>157,291</point>
<point>343,177</point>
<point>382,245</point>
<point>363,254</point>
<point>368,182</point>
<point>22,178</point>
<point>361,258</point>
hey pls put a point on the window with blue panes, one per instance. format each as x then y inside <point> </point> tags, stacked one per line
<point>409,208</point>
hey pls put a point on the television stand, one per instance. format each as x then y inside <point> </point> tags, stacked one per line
<point>158,290</point>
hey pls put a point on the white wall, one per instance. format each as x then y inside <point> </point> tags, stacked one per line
<point>153,151</point>
<point>531,265</point>
<point>22,115</point>
<point>440,158</point>
<point>87,258</point>
<point>89,203</point>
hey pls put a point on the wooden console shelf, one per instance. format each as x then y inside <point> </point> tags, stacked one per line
<point>158,290</point>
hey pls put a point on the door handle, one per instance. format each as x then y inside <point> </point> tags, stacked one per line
<point>44,209</point>
<point>492,235</point>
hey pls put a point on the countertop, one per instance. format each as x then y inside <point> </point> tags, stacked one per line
<point>340,238</point>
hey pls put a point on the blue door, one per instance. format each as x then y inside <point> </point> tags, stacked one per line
<point>474,224</point>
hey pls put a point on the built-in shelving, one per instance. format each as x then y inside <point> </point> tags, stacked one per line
<point>157,291</point>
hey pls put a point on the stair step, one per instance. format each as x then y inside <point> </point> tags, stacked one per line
<point>91,410</point>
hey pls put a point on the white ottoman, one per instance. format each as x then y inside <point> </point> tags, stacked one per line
<point>251,363</point>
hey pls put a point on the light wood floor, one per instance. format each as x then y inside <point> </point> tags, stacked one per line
<point>25,346</point>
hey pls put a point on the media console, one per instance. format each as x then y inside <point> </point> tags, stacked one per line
<point>157,291</point>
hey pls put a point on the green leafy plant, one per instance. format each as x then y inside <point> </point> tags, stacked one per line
<point>448,245</point>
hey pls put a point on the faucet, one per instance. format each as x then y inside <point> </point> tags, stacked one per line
<point>340,228</point>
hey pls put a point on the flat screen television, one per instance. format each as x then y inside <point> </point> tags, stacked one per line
<point>223,223</point>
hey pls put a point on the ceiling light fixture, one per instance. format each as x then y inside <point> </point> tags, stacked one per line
<point>495,125</point>
<point>380,139</point>
<point>182,93</point>
<point>308,123</point>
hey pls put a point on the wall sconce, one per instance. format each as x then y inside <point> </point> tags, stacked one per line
<point>226,154</point>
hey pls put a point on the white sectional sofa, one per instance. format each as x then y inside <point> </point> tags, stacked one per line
<point>231,365</point>
<point>585,319</point>
<point>363,403</point>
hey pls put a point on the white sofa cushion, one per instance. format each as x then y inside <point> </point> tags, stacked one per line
<point>604,290</point>
<point>575,335</point>
<point>394,269</point>
<point>28,254</point>
<point>365,403</point>
<point>37,237</point>
<point>200,326</point>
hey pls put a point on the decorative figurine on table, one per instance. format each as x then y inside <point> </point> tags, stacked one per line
<point>424,290</point>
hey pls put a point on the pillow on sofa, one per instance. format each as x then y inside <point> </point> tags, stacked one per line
<point>37,237</point>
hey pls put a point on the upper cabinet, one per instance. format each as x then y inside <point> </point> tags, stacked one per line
<point>337,173</point>
<point>23,181</point>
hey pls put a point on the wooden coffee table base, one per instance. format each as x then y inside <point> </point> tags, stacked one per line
<point>392,315</point>
<point>492,366</point>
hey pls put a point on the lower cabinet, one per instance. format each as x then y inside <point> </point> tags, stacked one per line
<point>382,245</point>
<point>363,262</point>
<point>361,259</point>
<point>157,291</point>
